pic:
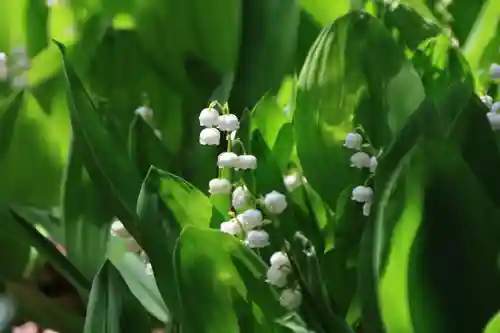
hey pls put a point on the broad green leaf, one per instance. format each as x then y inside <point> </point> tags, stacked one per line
<point>46,312</point>
<point>159,230</point>
<point>112,308</point>
<point>143,286</point>
<point>469,252</point>
<point>207,280</point>
<point>146,149</point>
<point>48,250</point>
<point>9,113</point>
<point>217,30</point>
<point>85,216</point>
<point>105,161</point>
<point>173,19</point>
<point>484,162</point>
<point>325,11</point>
<point>340,87</point>
<point>187,204</point>
<point>493,325</point>
<point>267,50</point>
<point>36,20</point>
<point>17,264</point>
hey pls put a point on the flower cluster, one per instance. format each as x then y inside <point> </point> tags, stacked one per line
<point>493,115</point>
<point>278,276</point>
<point>13,68</point>
<point>248,211</point>
<point>360,159</point>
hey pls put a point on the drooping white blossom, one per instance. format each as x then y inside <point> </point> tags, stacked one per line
<point>495,71</point>
<point>275,202</point>
<point>257,239</point>
<point>227,160</point>
<point>362,194</point>
<point>279,259</point>
<point>231,227</point>
<point>210,137</point>
<point>487,100</point>
<point>209,117</point>
<point>277,277</point>
<point>228,123</point>
<point>250,219</point>
<point>360,160</point>
<point>241,197</point>
<point>290,299</point>
<point>293,181</point>
<point>219,186</point>
<point>353,140</point>
<point>246,162</point>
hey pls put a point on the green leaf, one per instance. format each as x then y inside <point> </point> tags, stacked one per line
<point>267,49</point>
<point>17,264</point>
<point>206,280</point>
<point>112,308</point>
<point>159,231</point>
<point>146,149</point>
<point>339,88</point>
<point>49,251</point>
<point>187,204</point>
<point>105,161</point>
<point>142,285</point>
<point>37,34</point>
<point>217,30</point>
<point>493,325</point>
<point>46,312</point>
<point>325,11</point>
<point>85,216</point>
<point>9,112</point>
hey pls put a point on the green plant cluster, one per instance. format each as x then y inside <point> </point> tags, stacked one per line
<point>411,77</point>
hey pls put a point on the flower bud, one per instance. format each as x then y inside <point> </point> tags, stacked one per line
<point>279,259</point>
<point>231,227</point>
<point>373,164</point>
<point>146,113</point>
<point>293,181</point>
<point>276,277</point>
<point>250,219</point>
<point>241,198</point>
<point>118,229</point>
<point>290,299</point>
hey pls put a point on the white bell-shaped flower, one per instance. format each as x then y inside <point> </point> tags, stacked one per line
<point>241,198</point>
<point>494,119</point>
<point>495,71</point>
<point>209,117</point>
<point>373,164</point>
<point>367,207</point>
<point>250,219</point>
<point>362,194</point>
<point>4,72</point>
<point>487,100</point>
<point>246,162</point>
<point>353,140</point>
<point>118,229</point>
<point>228,123</point>
<point>276,277</point>
<point>275,202</point>
<point>146,113</point>
<point>279,259</point>
<point>290,299</point>
<point>495,107</point>
<point>231,227</point>
<point>257,239</point>
<point>360,160</point>
<point>219,186</point>
<point>210,137</point>
<point>293,181</point>
<point>227,160</point>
